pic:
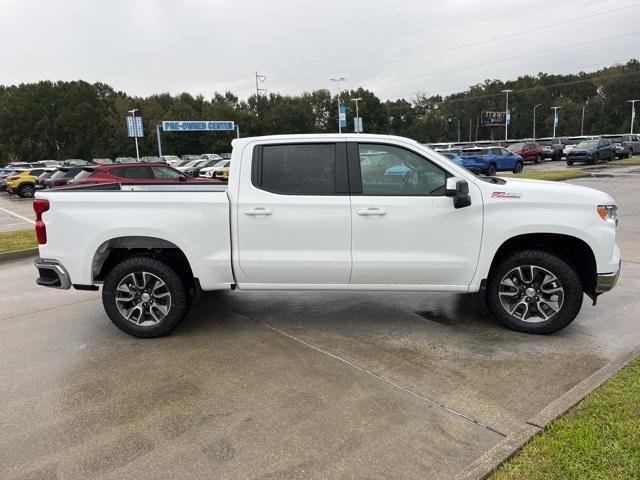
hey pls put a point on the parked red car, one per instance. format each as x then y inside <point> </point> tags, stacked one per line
<point>133,173</point>
<point>529,151</point>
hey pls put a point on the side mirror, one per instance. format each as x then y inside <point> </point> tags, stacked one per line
<point>182,178</point>
<point>458,189</point>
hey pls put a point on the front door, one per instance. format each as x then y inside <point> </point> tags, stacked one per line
<point>405,231</point>
<point>293,215</point>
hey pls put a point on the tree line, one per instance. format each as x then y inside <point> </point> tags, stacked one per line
<point>60,120</point>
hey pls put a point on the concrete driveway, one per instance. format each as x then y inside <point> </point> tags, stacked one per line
<point>289,385</point>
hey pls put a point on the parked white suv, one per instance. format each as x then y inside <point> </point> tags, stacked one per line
<point>332,212</point>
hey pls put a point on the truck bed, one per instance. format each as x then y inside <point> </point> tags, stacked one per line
<point>82,221</point>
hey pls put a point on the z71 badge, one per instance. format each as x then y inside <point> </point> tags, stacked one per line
<point>505,195</point>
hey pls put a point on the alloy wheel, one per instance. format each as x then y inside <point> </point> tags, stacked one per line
<point>143,298</point>
<point>531,293</point>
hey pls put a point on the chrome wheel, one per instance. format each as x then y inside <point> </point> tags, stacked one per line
<point>531,293</point>
<point>143,298</point>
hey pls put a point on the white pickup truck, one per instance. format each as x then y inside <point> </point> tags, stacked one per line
<point>332,212</point>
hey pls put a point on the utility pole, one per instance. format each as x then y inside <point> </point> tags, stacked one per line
<point>259,91</point>
<point>338,80</point>
<point>555,119</point>
<point>582,122</point>
<point>458,130</point>
<point>259,81</point>
<point>470,127</point>
<point>477,125</point>
<point>506,114</point>
<point>534,121</point>
<point>633,112</point>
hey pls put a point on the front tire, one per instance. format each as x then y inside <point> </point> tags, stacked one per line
<point>492,170</point>
<point>538,159</point>
<point>519,166</point>
<point>533,291</point>
<point>145,297</point>
<point>27,191</point>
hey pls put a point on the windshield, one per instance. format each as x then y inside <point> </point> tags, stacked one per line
<point>516,147</point>
<point>220,163</point>
<point>614,139</point>
<point>83,174</point>
<point>588,144</point>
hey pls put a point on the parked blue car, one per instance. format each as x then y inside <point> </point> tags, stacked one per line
<point>490,160</point>
<point>399,171</point>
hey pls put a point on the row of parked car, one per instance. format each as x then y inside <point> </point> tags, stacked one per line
<point>491,157</point>
<point>24,179</point>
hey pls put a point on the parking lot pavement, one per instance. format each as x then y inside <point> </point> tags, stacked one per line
<point>288,385</point>
<point>15,213</point>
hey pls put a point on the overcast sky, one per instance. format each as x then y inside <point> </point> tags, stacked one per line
<point>395,48</point>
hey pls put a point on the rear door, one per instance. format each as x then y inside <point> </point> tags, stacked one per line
<point>293,215</point>
<point>405,231</point>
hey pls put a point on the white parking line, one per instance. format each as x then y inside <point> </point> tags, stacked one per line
<point>14,214</point>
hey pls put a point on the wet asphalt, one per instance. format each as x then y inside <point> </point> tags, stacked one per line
<point>283,385</point>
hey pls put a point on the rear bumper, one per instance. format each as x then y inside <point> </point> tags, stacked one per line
<point>52,274</point>
<point>606,281</point>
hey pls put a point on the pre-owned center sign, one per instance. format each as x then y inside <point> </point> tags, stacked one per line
<point>196,125</point>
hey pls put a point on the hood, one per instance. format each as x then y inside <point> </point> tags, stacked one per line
<point>544,191</point>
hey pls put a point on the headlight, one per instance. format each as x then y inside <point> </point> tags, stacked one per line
<point>608,212</point>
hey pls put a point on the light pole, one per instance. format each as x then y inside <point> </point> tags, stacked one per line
<point>633,112</point>
<point>338,80</point>
<point>555,119</point>
<point>534,121</point>
<point>582,120</point>
<point>506,113</point>
<point>135,136</point>
<point>357,112</point>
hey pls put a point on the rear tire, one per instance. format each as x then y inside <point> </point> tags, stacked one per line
<point>533,291</point>
<point>569,163</point>
<point>145,297</point>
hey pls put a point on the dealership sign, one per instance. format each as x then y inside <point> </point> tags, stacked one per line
<point>196,125</point>
<point>134,126</point>
<point>490,118</point>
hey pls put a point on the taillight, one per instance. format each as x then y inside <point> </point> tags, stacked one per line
<point>40,205</point>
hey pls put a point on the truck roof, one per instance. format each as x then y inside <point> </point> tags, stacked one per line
<point>322,136</point>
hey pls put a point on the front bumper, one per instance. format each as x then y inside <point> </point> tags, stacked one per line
<point>52,274</point>
<point>579,158</point>
<point>606,281</point>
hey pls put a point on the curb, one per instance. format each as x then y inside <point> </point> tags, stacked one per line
<point>17,254</point>
<point>486,463</point>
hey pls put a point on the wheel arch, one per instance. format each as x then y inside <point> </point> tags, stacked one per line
<point>113,251</point>
<point>573,249</point>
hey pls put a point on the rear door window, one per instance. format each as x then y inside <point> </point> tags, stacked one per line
<point>296,169</point>
<point>138,173</point>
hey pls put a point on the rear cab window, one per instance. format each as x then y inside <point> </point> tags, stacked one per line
<point>296,169</point>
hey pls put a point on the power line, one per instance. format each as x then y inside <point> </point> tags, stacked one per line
<point>493,62</point>
<point>462,88</point>
<point>460,47</point>
<point>415,34</point>
<point>553,85</point>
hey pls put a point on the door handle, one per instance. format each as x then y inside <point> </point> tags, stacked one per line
<point>258,211</point>
<point>372,211</point>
